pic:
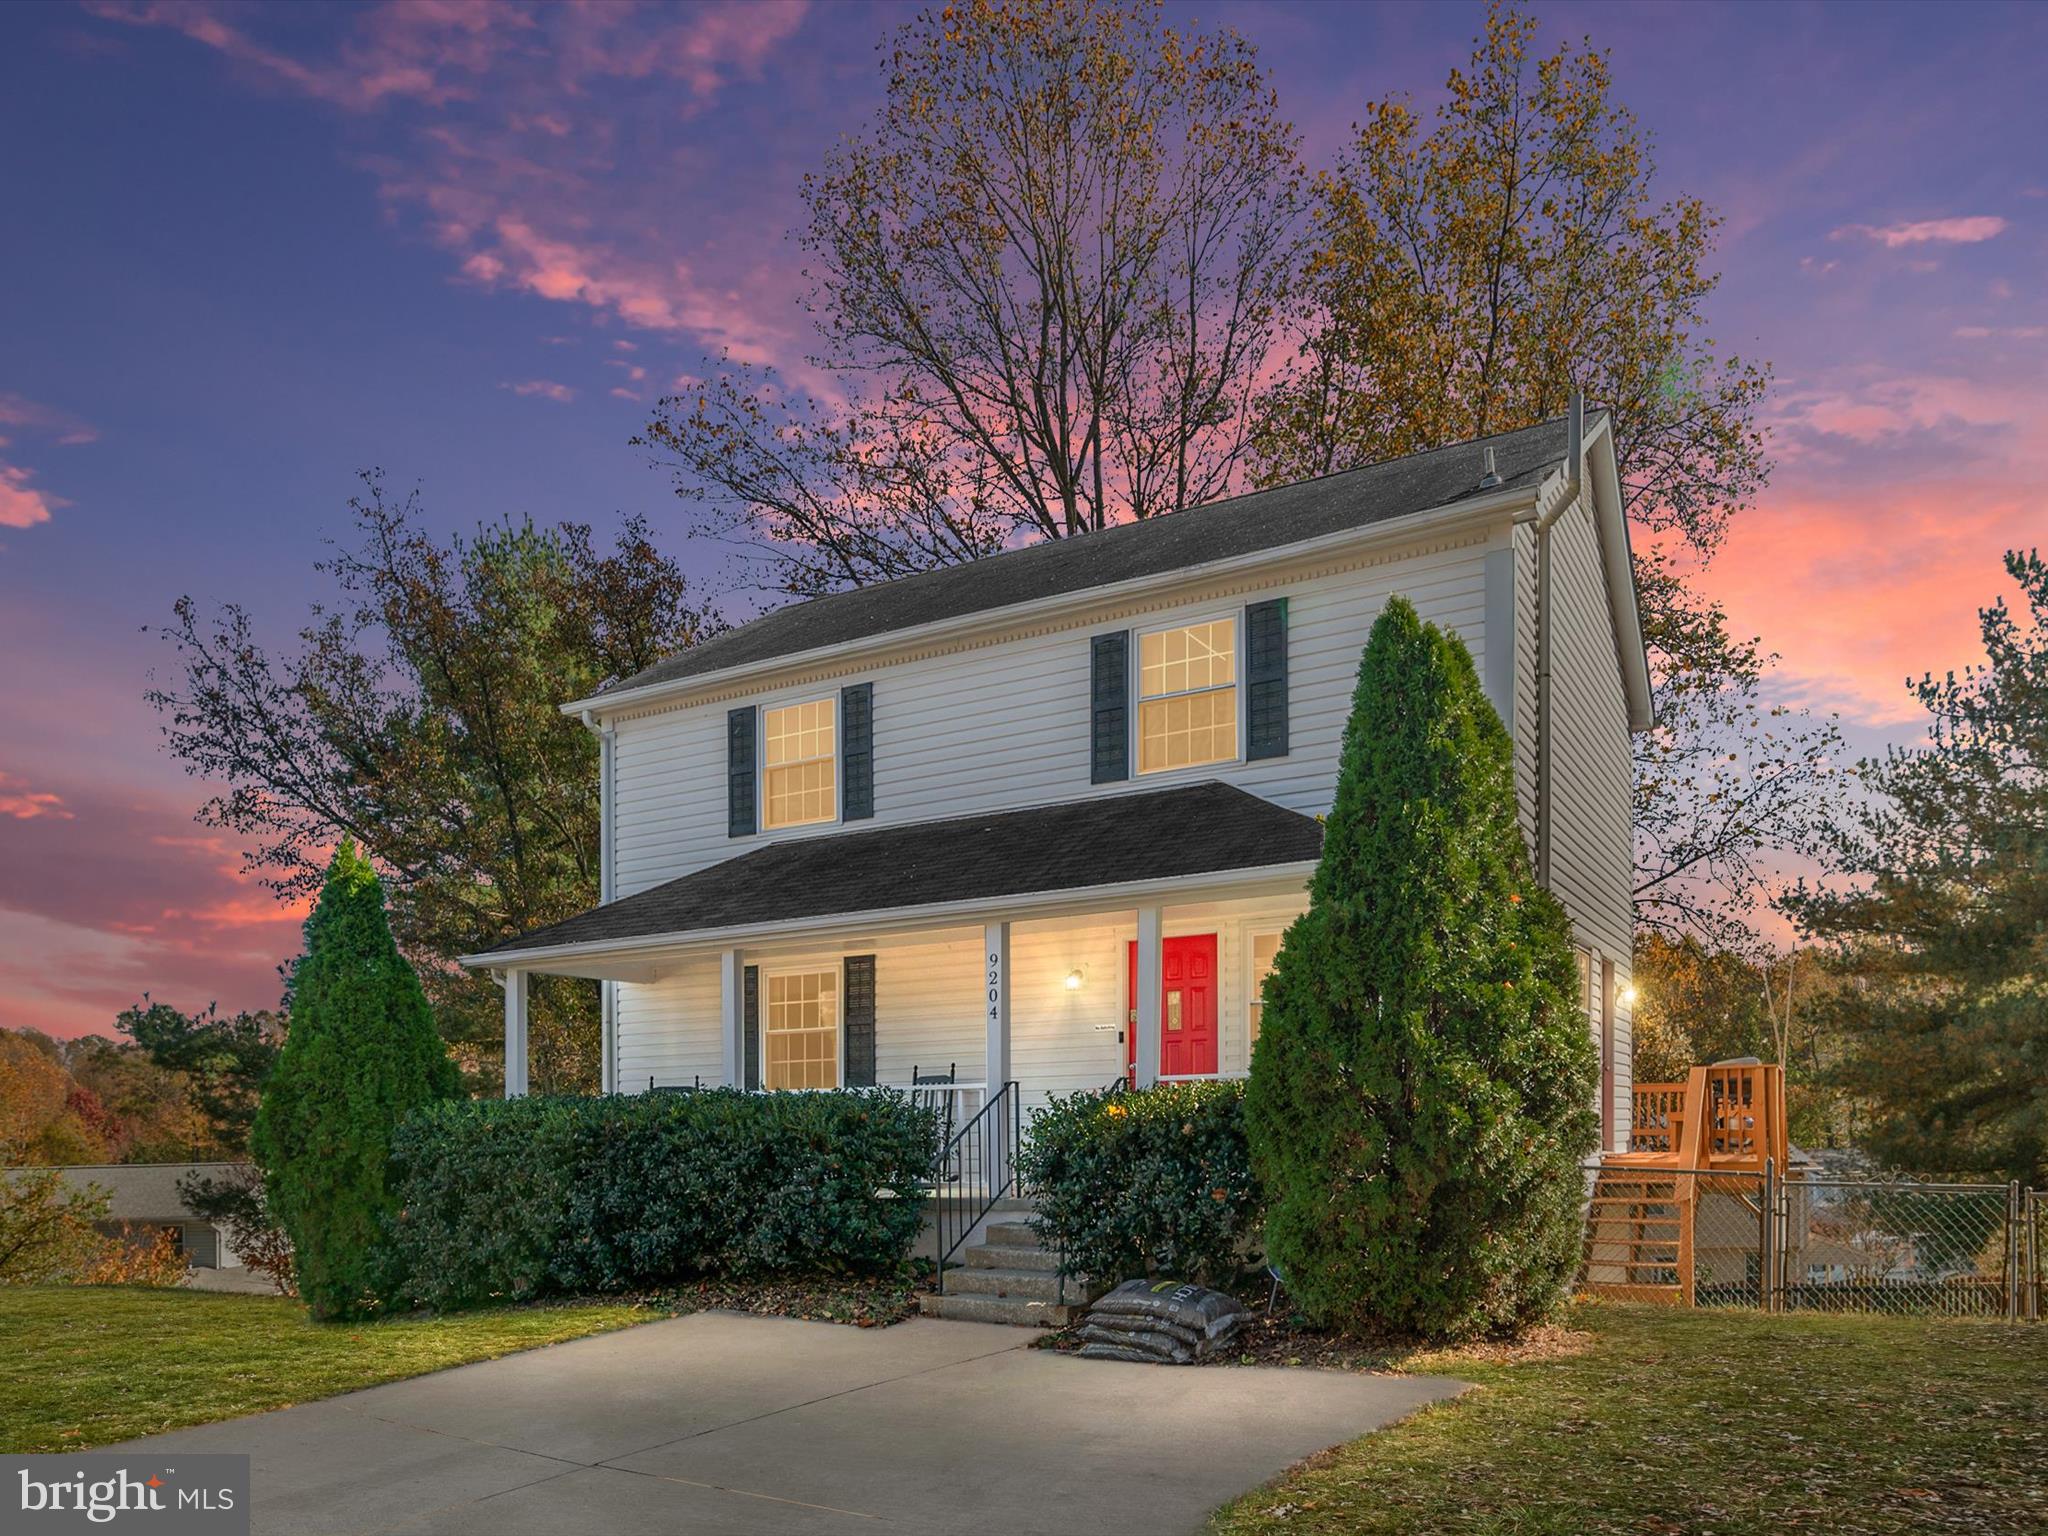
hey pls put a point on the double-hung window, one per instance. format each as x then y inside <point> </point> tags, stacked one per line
<point>800,1029</point>
<point>1187,696</point>
<point>1265,950</point>
<point>800,764</point>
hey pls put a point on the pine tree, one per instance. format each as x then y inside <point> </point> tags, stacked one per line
<point>361,1054</point>
<point>1421,1094</point>
<point>1943,943</point>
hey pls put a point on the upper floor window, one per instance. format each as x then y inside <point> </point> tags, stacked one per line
<point>800,779</point>
<point>1187,696</point>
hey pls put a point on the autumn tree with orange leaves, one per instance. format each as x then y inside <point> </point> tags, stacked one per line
<point>1462,278</point>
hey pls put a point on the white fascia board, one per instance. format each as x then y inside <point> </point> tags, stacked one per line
<point>617,956</point>
<point>1395,530</point>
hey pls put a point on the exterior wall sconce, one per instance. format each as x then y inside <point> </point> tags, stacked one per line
<point>1074,979</point>
<point>1626,997</point>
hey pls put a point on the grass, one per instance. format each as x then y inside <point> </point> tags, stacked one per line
<point>88,1366</point>
<point>1673,1423</point>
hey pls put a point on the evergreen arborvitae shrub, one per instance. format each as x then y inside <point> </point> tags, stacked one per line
<point>361,1054</point>
<point>1421,1095</point>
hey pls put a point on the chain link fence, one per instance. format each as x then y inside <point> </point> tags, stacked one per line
<point>1713,1238</point>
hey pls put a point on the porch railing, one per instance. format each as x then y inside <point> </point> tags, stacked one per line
<point>976,1169</point>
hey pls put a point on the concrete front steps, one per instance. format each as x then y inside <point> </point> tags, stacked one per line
<point>1007,1278</point>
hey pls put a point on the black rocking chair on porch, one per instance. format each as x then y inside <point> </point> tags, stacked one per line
<point>941,1106</point>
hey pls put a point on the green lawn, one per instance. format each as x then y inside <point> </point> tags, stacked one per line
<point>1695,1423</point>
<point>89,1366</point>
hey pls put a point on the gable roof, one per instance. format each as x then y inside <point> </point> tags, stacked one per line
<point>1218,530</point>
<point>1103,840</point>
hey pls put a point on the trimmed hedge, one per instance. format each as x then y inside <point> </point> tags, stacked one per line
<point>1153,1182</point>
<point>510,1199</point>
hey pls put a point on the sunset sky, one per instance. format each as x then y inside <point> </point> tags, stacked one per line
<point>249,250</point>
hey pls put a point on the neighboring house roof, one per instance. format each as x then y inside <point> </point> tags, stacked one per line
<point>1104,840</point>
<point>143,1191</point>
<point>1156,546</point>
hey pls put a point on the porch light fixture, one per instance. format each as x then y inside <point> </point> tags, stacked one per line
<point>1626,997</point>
<point>1074,979</point>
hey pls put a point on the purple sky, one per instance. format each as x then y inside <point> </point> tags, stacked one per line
<point>252,249</point>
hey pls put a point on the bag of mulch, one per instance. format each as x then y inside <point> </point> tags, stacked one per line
<point>1117,1322</point>
<point>1149,1346</point>
<point>1209,1313</point>
<point>1120,1352</point>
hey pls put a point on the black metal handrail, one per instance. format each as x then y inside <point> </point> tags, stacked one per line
<point>975,1170</point>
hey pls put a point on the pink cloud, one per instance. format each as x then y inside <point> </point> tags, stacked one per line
<point>21,803</point>
<point>1970,230</point>
<point>1874,407</point>
<point>21,504</point>
<point>60,426</point>
<point>1888,584</point>
<point>507,166</point>
<point>546,389</point>
<point>125,895</point>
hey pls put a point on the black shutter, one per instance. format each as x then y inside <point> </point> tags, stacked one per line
<point>1109,751</point>
<point>1265,672</point>
<point>739,773</point>
<point>750,1026</point>
<point>860,1021</point>
<point>857,751</point>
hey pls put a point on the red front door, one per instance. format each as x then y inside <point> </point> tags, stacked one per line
<point>1187,1006</point>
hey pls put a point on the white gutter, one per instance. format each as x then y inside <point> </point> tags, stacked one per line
<point>931,914</point>
<point>1394,530</point>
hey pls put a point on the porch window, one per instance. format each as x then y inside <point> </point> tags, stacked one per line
<point>801,764</point>
<point>1187,696</point>
<point>800,1030</point>
<point>1265,946</point>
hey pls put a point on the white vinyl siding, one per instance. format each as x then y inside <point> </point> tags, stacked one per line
<point>1007,725</point>
<point>1592,860</point>
<point>1004,723</point>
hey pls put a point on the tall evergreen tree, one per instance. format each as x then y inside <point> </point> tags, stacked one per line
<point>1421,1094</point>
<point>362,1052</point>
<point>1945,943</point>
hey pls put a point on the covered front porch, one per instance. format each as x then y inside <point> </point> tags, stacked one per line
<point>1060,948</point>
<point>1156,990</point>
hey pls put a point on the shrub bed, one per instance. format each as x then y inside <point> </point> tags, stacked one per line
<point>1153,1182</point>
<point>510,1199</point>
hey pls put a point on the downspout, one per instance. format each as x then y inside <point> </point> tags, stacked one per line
<point>608,1068</point>
<point>1575,447</point>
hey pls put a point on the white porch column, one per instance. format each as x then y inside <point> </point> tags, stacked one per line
<point>1151,921</point>
<point>515,1034</point>
<point>732,1013</point>
<point>996,949</point>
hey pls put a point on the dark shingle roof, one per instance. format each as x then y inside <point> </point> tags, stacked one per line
<point>1286,514</point>
<point>1104,840</point>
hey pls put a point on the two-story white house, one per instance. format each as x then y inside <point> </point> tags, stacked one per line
<point>1043,818</point>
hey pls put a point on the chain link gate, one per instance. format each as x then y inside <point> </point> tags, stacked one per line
<point>1709,1237</point>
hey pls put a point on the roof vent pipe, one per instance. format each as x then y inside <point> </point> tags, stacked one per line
<point>1489,476</point>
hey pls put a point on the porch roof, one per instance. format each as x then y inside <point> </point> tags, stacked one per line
<point>1105,840</point>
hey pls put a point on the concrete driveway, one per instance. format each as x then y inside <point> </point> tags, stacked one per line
<point>721,1423</point>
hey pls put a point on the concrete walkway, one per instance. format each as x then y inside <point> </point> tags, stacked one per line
<point>721,1423</point>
